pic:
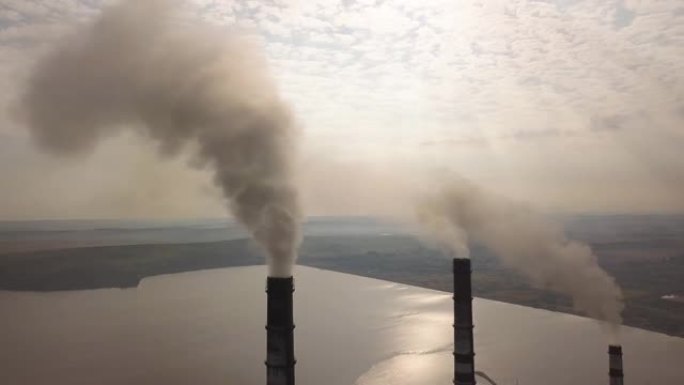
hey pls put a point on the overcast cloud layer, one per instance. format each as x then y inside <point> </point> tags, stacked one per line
<point>571,105</point>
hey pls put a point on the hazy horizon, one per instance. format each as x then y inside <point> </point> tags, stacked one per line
<point>226,219</point>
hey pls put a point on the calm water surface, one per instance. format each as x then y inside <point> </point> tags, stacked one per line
<point>207,327</point>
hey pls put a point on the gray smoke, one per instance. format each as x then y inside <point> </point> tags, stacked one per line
<point>458,212</point>
<point>142,65</point>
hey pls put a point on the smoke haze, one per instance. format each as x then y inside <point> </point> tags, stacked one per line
<point>452,211</point>
<point>457,212</point>
<point>187,88</point>
<point>190,88</point>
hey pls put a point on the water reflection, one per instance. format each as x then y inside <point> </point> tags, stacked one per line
<point>208,328</point>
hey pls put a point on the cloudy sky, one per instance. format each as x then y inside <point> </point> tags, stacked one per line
<point>569,105</point>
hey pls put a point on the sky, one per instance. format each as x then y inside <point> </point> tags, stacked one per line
<point>568,105</point>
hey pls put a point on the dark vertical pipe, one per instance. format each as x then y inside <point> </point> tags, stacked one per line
<point>464,356</point>
<point>615,365</point>
<point>280,360</point>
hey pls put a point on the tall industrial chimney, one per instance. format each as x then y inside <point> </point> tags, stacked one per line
<point>615,371</point>
<point>280,360</point>
<point>464,356</point>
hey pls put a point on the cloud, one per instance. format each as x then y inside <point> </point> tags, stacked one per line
<point>493,89</point>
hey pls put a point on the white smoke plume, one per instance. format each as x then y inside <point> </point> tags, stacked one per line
<point>188,87</point>
<point>457,212</point>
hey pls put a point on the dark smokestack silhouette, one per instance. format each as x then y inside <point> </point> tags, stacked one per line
<point>615,371</point>
<point>280,359</point>
<point>464,356</point>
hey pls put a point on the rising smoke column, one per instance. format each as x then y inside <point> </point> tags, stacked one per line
<point>186,87</point>
<point>457,212</point>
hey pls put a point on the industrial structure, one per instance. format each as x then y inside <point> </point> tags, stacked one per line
<point>280,358</point>
<point>280,362</point>
<point>615,365</point>
<point>464,355</point>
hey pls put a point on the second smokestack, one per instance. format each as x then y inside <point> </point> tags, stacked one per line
<point>464,356</point>
<point>280,359</point>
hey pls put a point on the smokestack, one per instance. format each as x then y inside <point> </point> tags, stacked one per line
<point>280,360</point>
<point>464,356</point>
<point>615,372</point>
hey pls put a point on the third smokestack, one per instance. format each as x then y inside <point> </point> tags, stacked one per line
<point>615,368</point>
<point>464,356</point>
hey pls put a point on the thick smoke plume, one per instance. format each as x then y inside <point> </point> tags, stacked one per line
<point>459,212</point>
<point>142,65</point>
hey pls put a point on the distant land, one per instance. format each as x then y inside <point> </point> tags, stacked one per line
<point>644,253</point>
